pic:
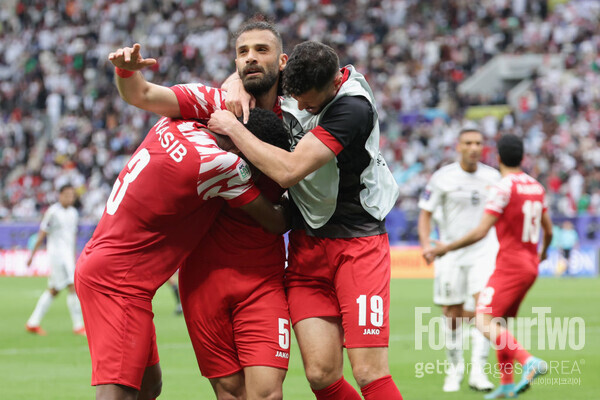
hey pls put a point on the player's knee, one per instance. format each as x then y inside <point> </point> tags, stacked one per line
<point>266,394</point>
<point>53,292</point>
<point>151,391</point>
<point>365,374</point>
<point>321,375</point>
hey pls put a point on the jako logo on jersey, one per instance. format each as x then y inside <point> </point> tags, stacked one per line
<point>371,332</point>
<point>281,354</point>
<point>175,149</point>
<point>244,171</point>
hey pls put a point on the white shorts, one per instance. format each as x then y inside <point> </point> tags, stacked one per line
<point>62,271</point>
<point>460,275</point>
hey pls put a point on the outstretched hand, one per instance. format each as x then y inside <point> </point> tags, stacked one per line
<point>129,58</point>
<point>223,122</point>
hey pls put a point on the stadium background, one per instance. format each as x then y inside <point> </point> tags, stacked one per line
<point>62,120</point>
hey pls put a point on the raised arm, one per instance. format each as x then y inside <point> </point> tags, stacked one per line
<point>135,89</point>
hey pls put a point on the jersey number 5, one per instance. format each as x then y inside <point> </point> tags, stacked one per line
<point>137,163</point>
<point>532,220</point>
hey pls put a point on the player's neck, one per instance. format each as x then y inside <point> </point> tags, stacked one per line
<point>504,170</point>
<point>467,167</point>
<point>267,100</point>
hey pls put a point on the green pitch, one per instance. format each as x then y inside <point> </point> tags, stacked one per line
<point>57,366</point>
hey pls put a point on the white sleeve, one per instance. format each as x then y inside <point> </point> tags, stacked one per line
<point>431,195</point>
<point>47,219</point>
<point>499,197</point>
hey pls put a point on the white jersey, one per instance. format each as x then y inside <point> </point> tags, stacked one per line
<point>458,198</point>
<point>60,225</point>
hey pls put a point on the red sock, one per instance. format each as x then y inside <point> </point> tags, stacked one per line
<point>381,389</point>
<point>505,365</point>
<point>516,350</point>
<point>338,390</point>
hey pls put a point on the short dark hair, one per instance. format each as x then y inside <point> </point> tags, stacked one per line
<point>65,187</point>
<point>510,150</point>
<point>259,23</point>
<point>268,127</point>
<point>469,129</point>
<point>312,65</point>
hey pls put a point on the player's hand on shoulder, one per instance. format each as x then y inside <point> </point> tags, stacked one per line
<point>238,101</point>
<point>130,58</point>
<point>222,121</point>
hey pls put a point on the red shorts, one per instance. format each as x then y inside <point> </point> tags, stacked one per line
<point>120,335</point>
<point>347,278</point>
<point>505,291</point>
<point>236,317</point>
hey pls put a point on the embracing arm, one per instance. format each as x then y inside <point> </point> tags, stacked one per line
<point>283,167</point>
<point>136,90</point>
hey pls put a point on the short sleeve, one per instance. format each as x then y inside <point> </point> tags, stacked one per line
<point>198,101</point>
<point>346,119</point>
<point>226,175</point>
<point>498,198</point>
<point>431,195</point>
<point>47,220</point>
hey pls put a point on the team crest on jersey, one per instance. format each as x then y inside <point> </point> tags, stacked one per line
<point>426,194</point>
<point>475,198</point>
<point>244,171</point>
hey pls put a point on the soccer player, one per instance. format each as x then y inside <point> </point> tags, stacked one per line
<point>247,352</point>
<point>161,206</point>
<point>338,276</point>
<point>59,227</point>
<point>517,208</point>
<point>459,191</point>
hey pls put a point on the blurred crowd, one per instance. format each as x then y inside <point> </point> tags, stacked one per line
<point>62,120</point>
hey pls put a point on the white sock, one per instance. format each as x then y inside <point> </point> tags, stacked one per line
<point>481,348</point>
<point>75,310</point>
<point>454,345</point>
<point>40,309</point>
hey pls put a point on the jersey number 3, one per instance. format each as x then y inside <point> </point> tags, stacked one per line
<point>532,220</point>
<point>137,163</point>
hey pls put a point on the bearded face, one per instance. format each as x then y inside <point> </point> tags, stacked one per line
<point>259,80</point>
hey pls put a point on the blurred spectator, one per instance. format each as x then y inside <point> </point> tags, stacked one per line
<point>61,119</point>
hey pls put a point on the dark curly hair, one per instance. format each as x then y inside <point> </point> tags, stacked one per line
<point>312,65</point>
<point>267,126</point>
<point>510,150</point>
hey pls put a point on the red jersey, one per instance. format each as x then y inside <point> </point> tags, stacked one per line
<point>161,205</point>
<point>234,239</point>
<point>518,201</point>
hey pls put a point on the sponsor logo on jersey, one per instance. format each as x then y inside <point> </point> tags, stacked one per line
<point>475,198</point>
<point>244,171</point>
<point>282,354</point>
<point>371,331</point>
